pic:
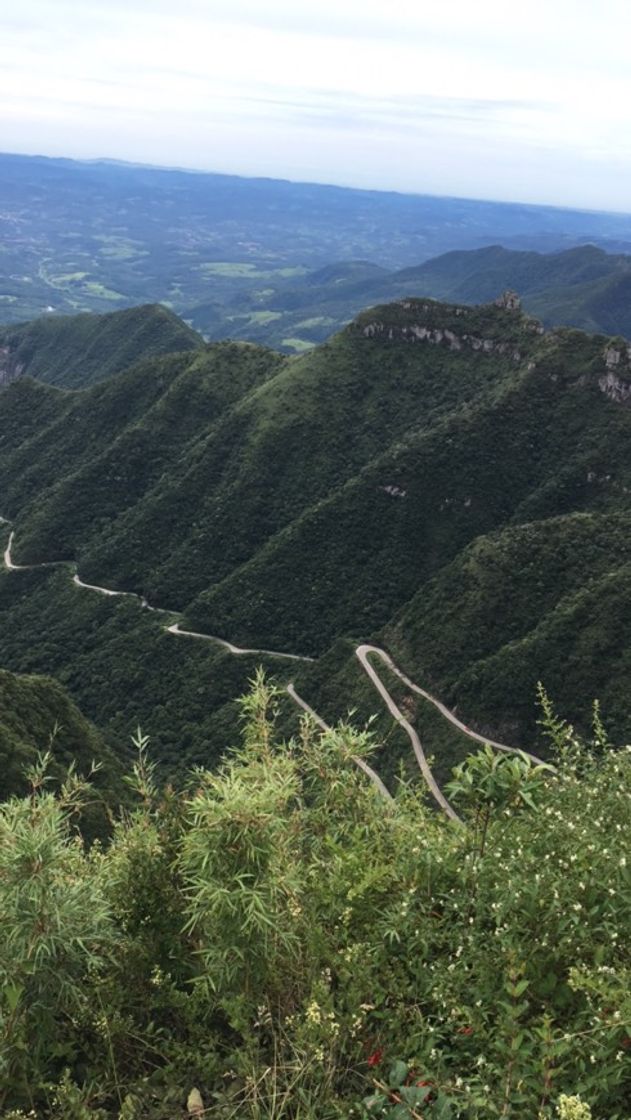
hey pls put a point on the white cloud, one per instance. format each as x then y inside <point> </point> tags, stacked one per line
<point>485,98</point>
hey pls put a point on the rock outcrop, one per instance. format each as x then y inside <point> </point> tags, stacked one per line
<point>9,367</point>
<point>509,301</point>
<point>415,332</point>
<point>616,382</point>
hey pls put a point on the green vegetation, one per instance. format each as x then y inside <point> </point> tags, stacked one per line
<point>91,236</point>
<point>68,278</point>
<point>274,941</point>
<point>264,316</point>
<point>76,351</point>
<point>228,268</point>
<point>119,247</point>
<point>36,715</point>
<point>117,662</point>
<point>339,690</point>
<point>298,345</point>
<point>97,289</point>
<point>583,287</point>
<point>446,481</point>
<point>545,600</point>
<point>264,936</point>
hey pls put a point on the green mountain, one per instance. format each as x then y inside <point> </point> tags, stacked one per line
<point>601,305</point>
<point>447,480</point>
<point>583,287</point>
<point>37,716</point>
<point>78,350</point>
<point>477,276</point>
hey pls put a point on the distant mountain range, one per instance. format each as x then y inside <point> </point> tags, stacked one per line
<point>101,236</point>
<point>583,287</point>
<point>446,479</point>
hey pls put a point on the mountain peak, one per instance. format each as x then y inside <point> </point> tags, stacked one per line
<point>484,328</point>
<point>509,301</point>
<point>74,351</point>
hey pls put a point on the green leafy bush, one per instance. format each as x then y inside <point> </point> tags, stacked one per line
<point>278,941</point>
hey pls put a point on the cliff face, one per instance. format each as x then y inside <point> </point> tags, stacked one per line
<point>497,328</point>
<point>10,367</point>
<point>616,382</point>
<point>415,332</point>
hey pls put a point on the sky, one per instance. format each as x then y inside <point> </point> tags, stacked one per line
<point>478,98</point>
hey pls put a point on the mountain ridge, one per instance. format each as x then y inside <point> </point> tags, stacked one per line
<point>584,287</point>
<point>95,237</point>
<point>74,352</point>
<point>289,503</point>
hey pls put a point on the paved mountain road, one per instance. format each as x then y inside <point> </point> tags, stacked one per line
<point>237,650</point>
<point>362,653</point>
<point>368,770</point>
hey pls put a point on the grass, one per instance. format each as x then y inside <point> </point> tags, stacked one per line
<point>67,278</point>
<point>316,321</point>
<point>263,317</point>
<point>298,270</point>
<point>122,254</point>
<point>230,268</point>
<point>247,270</point>
<point>298,345</point>
<point>96,289</point>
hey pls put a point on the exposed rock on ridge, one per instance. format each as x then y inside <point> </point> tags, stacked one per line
<point>9,368</point>
<point>618,362</point>
<point>426,321</point>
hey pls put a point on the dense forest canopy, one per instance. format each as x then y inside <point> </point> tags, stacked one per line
<point>446,481</point>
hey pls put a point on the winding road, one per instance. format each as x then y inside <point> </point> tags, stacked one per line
<point>362,652</point>
<point>368,770</point>
<point>176,629</point>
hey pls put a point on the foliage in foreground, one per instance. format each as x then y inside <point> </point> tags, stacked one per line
<point>278,941</point>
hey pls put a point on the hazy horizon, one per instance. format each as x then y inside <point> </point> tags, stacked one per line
<point>479,102</point>
<point>306,182</point>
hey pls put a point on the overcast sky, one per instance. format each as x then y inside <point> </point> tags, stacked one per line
<point>478,98</point>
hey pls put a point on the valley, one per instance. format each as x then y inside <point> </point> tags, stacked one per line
<point>280,263</point>
<point>362,652</point>
<point>315,561</point>
<point>399,488</point>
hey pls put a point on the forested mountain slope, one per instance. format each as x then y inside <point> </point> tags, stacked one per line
<point>582,287</point>
<point>476,276</point>
<point>79,350</point>
<point>449,479</point>
<point>36,716</point>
